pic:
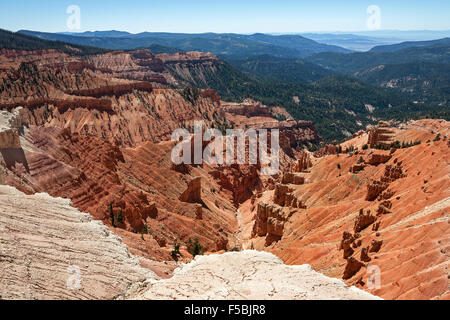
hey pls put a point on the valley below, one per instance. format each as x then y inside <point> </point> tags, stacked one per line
<point>93,207</point>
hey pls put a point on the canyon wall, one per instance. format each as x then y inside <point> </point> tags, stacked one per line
<point>391,215</point>
<point>96,130</point>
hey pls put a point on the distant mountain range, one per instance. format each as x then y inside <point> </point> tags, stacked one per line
<point>410,44</point>
<point>366,40</point>
<point>401,36</point>
<point>332,89</point>
<point>229,46</point>
<point>436,52</point>
<point>350,41</point>
<point>11,40</point>
<point>236,46</point>
<point>420,69</point>
<point>100,34</point>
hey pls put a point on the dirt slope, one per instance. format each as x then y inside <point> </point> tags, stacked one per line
<point>392,212</point>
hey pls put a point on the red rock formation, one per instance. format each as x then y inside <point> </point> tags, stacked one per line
<point>376,246</point>
<point>115,91</point>
<point>270,220</point>
<point>353,266</point>
<point>303,162</point>
<point>346,244</point>
<point>251,114</point>
<point>374,189</point>
<point>160,113</point>
<point>9,139</point>
<point>363,221</point>
<point>116,166</point>
<point>385,207</point>
<point>365,255</point>
<point>292,178</point>
<point>136,187</point>
<point>240,180</point>
<point>283,197</point>
<point>407,244</point>
<point>249,108</point>
<point>376,159</point>
<point>327,150</point>
<point>63,105</point>
<point>193,193</point>
<point>211,94</point>
<point>381,134</point>
<point>357,168</point>
<point>51,84</point>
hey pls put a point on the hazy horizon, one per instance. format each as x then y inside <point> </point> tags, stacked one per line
<point>271,33</point>
<point>243,17</point>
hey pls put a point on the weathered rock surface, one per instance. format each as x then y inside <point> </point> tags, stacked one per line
<point>95,130</point>
<point>363,221</point>
<point>407,232</point>
<point>111,96</point>
<point>293,178</point>
<point>132,190</point>
<point>247,275</point>
<point>45,243</point>
<point>193,193</point>
<point>240,180</point>
<point>382,134</point>
<point>270,221</point>
<point>284,197</point>
<point>303,162</point>
<point>253,115</point>
<point>378,158</point>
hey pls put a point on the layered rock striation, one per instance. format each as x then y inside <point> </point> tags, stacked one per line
<point>50,250</point>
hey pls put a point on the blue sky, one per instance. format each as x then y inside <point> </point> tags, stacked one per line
<point>239,16</point>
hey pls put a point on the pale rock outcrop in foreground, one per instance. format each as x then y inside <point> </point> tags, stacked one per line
<point>247,275</point>
<point>44,242</point>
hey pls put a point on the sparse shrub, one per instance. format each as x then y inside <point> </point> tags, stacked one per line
<point>365,147</point>
<point>313,147</point>
<point>235,249</point>
<point>119,217</point>
<point>111,214</point>
<point>396,145</point>
<point>339,166</point>
<point>176,251</point>
<point>191,94</point>
<point>194,247</point>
